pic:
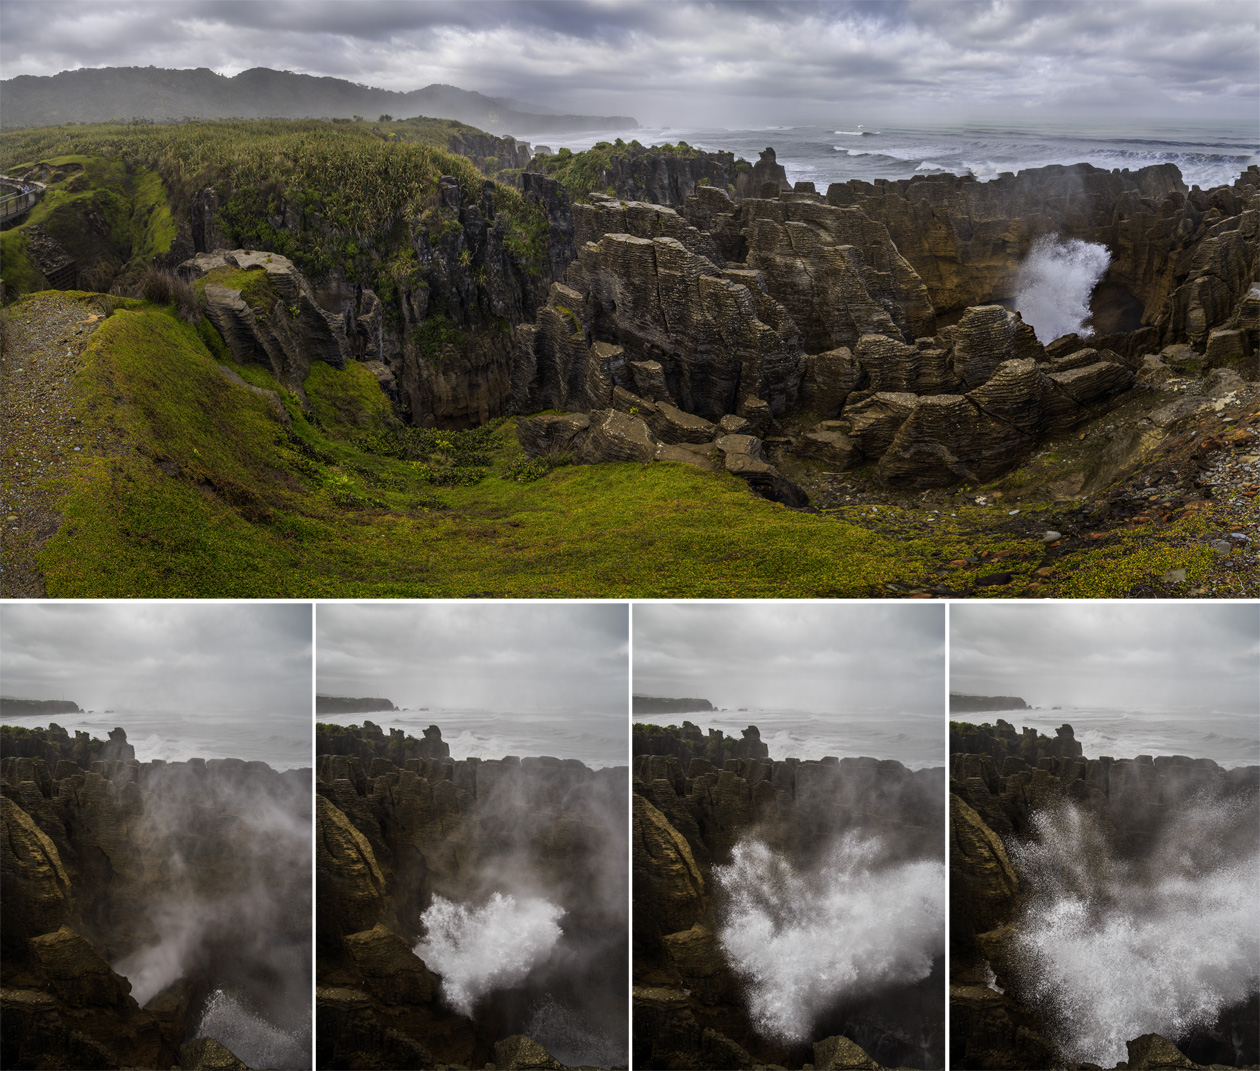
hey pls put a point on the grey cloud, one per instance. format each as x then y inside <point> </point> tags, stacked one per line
<point>198,657</point>
<point>824,657</point>
<point>500,657</point>
<point>1110,654</point>
<point>725,63</point>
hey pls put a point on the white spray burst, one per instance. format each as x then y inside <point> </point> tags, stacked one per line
<point>479,949</point>
<point>1055,284</point>
<point>803,941</point>
<point>1110,949</point>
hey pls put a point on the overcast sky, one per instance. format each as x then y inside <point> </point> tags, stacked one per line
<point>1129,656</point>
<point>502,657</point>
<point>818,657</point>
<point>178,657</point>
<point>727,64</point>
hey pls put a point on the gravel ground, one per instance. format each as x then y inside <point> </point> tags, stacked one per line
<point>43,340</point>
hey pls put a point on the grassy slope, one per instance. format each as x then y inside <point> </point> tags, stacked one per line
<point>206,493</point>
<point>106,211</point>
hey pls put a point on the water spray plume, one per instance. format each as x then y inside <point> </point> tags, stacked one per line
<point>1111,948</point>
<point>1055,284</point>
<point>804,940</point>
<point>480,949</point>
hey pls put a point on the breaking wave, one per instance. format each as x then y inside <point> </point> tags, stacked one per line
<point>480,949</point>
<point>803,941</point>
<point>1111,949</point>
<point>1055,283</point>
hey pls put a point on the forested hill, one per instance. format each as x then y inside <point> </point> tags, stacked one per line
<point>91,95</point>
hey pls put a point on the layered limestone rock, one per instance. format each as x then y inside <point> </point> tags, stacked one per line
<point>1000,778</point>
<point>295,331</point>
<point>400,823</point>
<point>696,795</point>
<point>105,859</point>
<point>771,309</point>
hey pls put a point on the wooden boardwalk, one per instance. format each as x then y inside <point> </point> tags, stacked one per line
<point>17,197</point>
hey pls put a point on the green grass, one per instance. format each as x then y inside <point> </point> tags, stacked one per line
<point>109,213</point>
<point>206,493</point>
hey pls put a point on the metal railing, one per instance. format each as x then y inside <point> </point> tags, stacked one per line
<point>22,197</point>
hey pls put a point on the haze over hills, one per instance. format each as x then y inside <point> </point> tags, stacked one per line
<point>99,94</point>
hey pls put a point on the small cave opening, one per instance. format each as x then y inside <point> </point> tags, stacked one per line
<point>1113,307</point>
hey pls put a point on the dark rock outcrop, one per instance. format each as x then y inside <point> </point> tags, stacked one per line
<point>966,704</point>
<point>652,704</point>
<point>104,858</point>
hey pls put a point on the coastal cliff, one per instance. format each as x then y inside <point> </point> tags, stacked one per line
<point>418,832</point>
<point>119,879</point>
<point>872,325</point>
<point>698,822</point>
<point>1034,826</point>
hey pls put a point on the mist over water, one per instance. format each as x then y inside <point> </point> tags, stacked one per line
<point>480,949</point>
<point>1207,154</point>
<point>593,737</point>
<point>1113,948</point>
<point>227,905</point>
<point>1055,283</point>
<point>803,940</point>
<point>913,738</point>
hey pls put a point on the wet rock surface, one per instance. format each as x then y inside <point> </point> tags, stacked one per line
<point>107,862</point>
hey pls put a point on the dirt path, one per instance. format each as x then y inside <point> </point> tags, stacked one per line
<point>43,340</point>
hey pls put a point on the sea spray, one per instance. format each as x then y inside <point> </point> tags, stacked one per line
<point>1112,948</point>
<point>1055,283</point>
<point>250,1037</point>
<point>569,1035</point>
<point>479,949</point>
<point>804,940</point>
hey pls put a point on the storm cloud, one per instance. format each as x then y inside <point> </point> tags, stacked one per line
<point>822,657</point>
<point>1160,657</point>
<point>732,64</point>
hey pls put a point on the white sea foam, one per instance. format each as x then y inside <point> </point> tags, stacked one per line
<point>252,1038</point>
<point>480,949</point>
<point>803,941</point>
<point>1110,949</point>
<point>1055,282</point>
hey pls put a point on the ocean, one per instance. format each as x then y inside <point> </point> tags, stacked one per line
<point>597,739</point>
<point>1229,739</point>
<point>915,740</point>
<point>1208,154</point>
<point>282,741</point>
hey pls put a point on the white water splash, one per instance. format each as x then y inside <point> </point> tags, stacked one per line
<point>479,949</point>
<point>1055,283</point>
<point>251,1038</point>
<point>804,940</point>
<point>1110,949</point>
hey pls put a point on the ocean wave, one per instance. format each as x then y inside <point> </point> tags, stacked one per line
<point>855,133</point>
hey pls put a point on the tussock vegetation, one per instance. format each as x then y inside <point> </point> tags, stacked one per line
<point>324,194</point>
<point>582,173</point>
